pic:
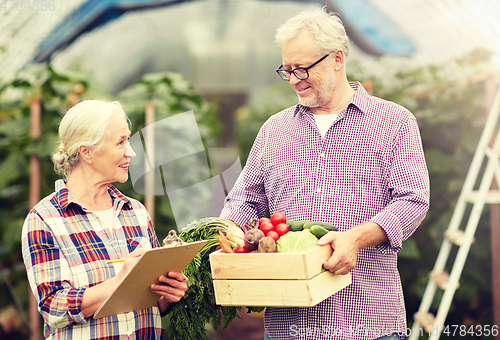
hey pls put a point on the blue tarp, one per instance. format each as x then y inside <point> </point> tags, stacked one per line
<point>89,15</point>
<point>367,26</point>
<point>372,30</point>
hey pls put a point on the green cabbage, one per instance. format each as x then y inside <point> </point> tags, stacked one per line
<point>297,241</point>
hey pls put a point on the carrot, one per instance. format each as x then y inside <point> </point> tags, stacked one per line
<point>224,243</point>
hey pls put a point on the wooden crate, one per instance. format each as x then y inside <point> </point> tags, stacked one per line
<point>277,280</point>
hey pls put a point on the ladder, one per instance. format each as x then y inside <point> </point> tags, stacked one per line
<point>454,236</point>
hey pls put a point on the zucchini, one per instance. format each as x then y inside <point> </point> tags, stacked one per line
<point>327,226</point>
<point>296,225</point>
<point>318,231</point>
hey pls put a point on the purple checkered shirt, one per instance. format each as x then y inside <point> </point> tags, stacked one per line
<point>370,166</point>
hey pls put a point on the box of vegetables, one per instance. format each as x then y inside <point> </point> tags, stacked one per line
<point>274,262</point>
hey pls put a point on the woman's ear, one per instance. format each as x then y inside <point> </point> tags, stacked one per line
<point>85,154</point>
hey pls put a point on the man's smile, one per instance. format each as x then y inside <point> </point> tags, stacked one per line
<point>302,89</point>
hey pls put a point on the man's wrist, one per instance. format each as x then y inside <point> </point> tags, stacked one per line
<point>368,234</point>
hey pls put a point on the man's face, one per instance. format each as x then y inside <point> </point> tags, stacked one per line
<point>317,90</point>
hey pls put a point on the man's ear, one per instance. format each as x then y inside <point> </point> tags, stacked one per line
<point>338,59</point>
<point>85,154</point>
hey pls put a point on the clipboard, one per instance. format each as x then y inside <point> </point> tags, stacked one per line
<point>134,292</point>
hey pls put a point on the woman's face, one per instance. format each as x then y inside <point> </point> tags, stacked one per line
<point>112,159</point>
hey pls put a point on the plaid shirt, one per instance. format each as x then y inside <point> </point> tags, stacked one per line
<point>369,167</point>
<point>65,249</point>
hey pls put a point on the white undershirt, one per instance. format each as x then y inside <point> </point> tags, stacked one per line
<point>324,122</point>
<point>106,218</point>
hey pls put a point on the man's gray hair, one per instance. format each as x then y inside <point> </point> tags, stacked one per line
<point>325,27</point>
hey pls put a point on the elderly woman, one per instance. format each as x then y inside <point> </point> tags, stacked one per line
<point>69,236</point>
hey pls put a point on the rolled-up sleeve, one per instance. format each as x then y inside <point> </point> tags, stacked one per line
<point>49,275</point>
<point>408,186</point>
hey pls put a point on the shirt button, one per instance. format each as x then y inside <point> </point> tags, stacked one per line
<point>322,154</point>
<point>318,190</point>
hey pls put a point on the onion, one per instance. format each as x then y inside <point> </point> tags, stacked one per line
<point>236,235</point>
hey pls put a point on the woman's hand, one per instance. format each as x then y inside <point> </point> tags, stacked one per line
<point>95,296</point>
<point>171,287</point>
<point>130,260</point>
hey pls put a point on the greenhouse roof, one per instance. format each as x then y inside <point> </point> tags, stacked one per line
<point>227,45</point>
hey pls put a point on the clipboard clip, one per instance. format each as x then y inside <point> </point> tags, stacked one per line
<point>172,239</point>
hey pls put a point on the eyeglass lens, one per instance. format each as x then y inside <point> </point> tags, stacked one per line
<point>299,73</point>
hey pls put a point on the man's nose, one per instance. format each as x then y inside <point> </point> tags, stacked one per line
<point>293,79</point>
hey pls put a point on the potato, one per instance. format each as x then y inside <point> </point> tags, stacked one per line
<point>267,245</point>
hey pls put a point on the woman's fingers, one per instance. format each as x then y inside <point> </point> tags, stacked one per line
<point>172,287</point>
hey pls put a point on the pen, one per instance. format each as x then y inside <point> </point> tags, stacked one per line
<point>141,244</point>
<point>115,261</point>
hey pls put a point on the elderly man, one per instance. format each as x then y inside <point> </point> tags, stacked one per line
<point>344,157</point>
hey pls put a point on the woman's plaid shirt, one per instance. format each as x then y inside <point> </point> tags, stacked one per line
<point>65,249</point>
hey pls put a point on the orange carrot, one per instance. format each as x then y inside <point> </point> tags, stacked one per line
<point>224,243</point>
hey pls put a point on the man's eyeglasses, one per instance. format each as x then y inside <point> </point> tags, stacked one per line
<point>300,72</point>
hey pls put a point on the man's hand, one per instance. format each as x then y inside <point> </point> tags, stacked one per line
<point>346,245</point>
<point>345,252</point>
<point>172,288</point>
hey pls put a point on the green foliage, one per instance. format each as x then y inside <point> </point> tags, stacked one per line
<point>16,146</point>
<point>171,94</point>
<point>197,308</point>
<point>451,112</point>
<point>250,118</point>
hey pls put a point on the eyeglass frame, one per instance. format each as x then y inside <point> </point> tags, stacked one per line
<point>281,69</point>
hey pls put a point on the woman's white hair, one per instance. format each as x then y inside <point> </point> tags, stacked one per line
<point>325,27</point>
<point>83,124</point>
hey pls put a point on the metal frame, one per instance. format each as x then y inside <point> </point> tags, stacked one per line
<point>468,195</point>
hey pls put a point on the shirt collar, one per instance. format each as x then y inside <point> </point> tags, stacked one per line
<point>64,197</point>
<point>360,99</point>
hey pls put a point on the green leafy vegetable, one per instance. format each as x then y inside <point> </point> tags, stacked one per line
<point>197,308</point>
<point>297,241</point>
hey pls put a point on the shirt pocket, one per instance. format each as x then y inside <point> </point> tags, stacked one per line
<point>139,241</point>
<point>91,273</point>
<point>364,189</point>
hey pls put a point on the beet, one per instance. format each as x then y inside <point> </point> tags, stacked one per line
<point>252,238</point>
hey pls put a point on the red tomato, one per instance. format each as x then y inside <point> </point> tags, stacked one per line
<point>274,235</point>
<point>266,227</point>
<point>264,219</point>
<point>282,229</point>
<point>241,249</point>
<point>278,218</point>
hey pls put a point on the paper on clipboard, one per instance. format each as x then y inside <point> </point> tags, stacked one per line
<point>134,292</point>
